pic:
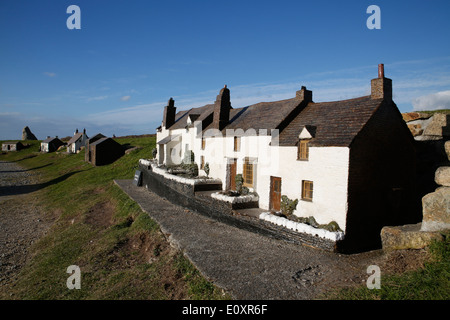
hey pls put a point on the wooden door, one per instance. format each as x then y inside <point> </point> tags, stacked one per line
<point>275,193</point>
<point>232,176</point>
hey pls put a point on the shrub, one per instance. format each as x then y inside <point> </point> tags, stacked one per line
<point>239,182</point>
<point>206,169</point>
<point>288,206</point>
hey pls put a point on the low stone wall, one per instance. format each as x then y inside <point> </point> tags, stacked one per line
<point>223,211</point>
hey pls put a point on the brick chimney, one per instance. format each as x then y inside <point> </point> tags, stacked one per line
<point>222,106</point>
<point>304,94</point>
<point>169,114</point>
<point>381,87</point>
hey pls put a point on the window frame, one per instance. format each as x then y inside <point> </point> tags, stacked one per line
<point>303,150</point>
<point>307,190</point>
<point>248,169</point>
<point>203,146</point>
<point>237,144</point>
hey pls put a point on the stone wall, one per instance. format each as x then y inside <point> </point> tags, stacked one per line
<point>186,196</point>
<point>436,205</point>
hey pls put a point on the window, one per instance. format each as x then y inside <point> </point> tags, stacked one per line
<point>202,162</point>
<point>248,173</point>
<point>237,143</point>
<point>303,150</point>
<point>307,190</point>
<point>203,143</point>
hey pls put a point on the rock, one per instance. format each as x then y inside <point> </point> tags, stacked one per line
<point>436,210</point>
<point>447,149</point>
<point>416,129</point>
<point>411,116</point>
<point>27,134</point>
<point>442,176</point>
<point>408,236</point>
<point>438,126</point>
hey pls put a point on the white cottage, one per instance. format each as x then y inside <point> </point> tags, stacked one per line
<point>349,161</point>
<point>77,141</point>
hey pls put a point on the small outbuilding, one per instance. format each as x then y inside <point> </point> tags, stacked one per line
<point>12,146</point>
<point>51,144</point>
<point>77,141</point>
<point>103,151</point>
<point>89,141</point>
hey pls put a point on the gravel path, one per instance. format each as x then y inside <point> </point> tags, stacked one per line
<point>22,222</point>
<point>246,264</point>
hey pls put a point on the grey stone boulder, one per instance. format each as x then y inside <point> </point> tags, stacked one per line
<point>438,126</point>
<point>436,210</point>
<point>27,134</point>
<point>447,149</point>
<point>442,176</point>
<point>408,236</point>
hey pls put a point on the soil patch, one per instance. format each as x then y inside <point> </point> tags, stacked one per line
<point>100,215</point>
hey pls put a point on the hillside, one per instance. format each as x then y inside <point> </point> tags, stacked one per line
<point>94,225</point>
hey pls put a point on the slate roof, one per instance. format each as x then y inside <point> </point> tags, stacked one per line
<point>181,117</point>
<point>48,140</point>
<point>333,123</point>
<point>75,137</point>
<point>336,123</point>
<point>263,115</point>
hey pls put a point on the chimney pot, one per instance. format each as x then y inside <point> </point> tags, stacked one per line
<point>381,71</point>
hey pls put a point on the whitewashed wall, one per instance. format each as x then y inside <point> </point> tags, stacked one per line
<point>327,168</point>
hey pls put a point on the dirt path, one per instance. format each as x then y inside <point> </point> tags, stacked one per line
<point>251,266</point>
<point>22,222</point>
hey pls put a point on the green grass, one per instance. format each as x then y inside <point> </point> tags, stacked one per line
<point>114,259</point>
<point>432,282</point>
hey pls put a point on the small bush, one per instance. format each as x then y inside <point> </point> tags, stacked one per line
<point>239,182</point>
<point>206,169</point>
<point>288,206</point>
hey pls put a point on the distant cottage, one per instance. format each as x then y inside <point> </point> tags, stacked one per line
<point>12,146</point>
<point>103,151</point>
<point>51,144</point>
<point>349,161</point>
<point>77,141</point>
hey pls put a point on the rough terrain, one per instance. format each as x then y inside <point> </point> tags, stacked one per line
<point>247,265</point>
<point>251,266</point>
<point>22,222</point>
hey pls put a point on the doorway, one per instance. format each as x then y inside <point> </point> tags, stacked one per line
<point>231,169</point>
<point>275,193</point>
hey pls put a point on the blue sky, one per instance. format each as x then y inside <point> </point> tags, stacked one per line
<point>117,72</point>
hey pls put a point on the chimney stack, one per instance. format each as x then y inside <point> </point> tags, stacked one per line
<point>304,94</point>
<point>381,87</point>
<point>222,106</point>
<point>169,114</point>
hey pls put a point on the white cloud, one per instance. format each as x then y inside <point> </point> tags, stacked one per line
<point>434,101</point>
<point>125,98</point>
<point>50,74</point>
<point>99,98</point>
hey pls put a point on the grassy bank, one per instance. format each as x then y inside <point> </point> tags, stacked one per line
<point>119,249</point>
<point>432,282</point>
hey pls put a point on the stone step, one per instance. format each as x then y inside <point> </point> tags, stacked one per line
<point>408,236</point>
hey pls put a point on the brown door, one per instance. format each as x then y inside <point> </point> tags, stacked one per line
<point>232,176</point>
<point>275,193</point>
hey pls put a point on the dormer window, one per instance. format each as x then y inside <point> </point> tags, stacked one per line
<point>303,150</point>
<point>307,133</point>
<point>237,144</point>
